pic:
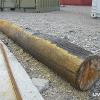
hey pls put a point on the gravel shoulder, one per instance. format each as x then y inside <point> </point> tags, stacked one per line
<point>74,23</point>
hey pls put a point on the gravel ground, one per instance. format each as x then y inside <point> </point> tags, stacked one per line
<point>72,22</point>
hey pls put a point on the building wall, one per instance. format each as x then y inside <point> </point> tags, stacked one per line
<point>76,2</point>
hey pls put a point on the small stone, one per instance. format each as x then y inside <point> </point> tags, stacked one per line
<point>41,84</point>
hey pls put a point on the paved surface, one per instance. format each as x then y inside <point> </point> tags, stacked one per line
<point>72,22</point>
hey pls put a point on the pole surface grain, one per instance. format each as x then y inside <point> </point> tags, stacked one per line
<point>80,67</point>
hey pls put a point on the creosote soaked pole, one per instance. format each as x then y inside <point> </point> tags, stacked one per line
<point>73,63</point>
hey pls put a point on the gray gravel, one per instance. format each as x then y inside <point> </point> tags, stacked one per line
<point>72,22</point>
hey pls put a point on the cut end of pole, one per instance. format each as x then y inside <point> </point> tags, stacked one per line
<point>88,73</point>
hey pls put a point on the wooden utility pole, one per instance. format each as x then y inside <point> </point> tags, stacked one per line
<point>80,67</point>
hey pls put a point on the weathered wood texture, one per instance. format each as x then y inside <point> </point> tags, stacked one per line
<point>67,59</point>
<point>12,84</point>
<point>65,44</point>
